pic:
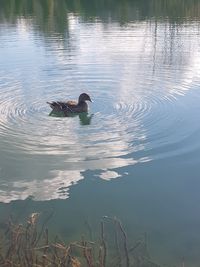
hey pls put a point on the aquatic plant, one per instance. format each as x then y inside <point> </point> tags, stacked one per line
<point>29,245</point>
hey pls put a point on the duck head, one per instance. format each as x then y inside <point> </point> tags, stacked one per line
<point>84,97</point>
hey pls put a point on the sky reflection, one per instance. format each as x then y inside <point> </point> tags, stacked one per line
<point>135,74</point>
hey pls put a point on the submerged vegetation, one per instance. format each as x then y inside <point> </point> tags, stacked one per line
<point>30,245</point>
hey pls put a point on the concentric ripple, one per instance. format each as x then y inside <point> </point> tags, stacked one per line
<point>118,127</point>
<point>141,111</point>
<point>120,130</point>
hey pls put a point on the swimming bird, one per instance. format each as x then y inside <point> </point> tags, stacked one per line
<point>71,106</point>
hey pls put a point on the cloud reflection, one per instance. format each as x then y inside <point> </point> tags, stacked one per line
<point>56,186</point>
<point>127,71</point>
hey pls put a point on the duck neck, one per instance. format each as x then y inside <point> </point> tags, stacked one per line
<point>81,102</point>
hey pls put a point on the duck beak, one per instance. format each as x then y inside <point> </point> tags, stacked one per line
<point>90,100</point>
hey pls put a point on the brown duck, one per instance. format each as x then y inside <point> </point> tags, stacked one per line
<point>70,107</point>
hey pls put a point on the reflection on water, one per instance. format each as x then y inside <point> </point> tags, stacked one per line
<point>84,118</point>
<point>134,99</point>
<point>135,72</point>
<point>46,12</point>
<point>140,62</point>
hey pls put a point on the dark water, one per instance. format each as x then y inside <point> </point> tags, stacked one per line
<point>136,155</point>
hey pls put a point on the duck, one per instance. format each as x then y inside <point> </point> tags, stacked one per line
<point>70,107</point>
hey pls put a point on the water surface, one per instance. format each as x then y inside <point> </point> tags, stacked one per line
<point>136,154</point>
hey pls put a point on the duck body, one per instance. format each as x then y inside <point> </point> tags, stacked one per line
<point>70,107</point>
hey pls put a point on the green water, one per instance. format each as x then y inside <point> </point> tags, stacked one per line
<point>136,154</point>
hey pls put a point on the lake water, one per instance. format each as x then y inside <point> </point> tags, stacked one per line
<point>136,154</point>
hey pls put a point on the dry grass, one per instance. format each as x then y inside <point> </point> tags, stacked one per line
<point>27,246</point>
